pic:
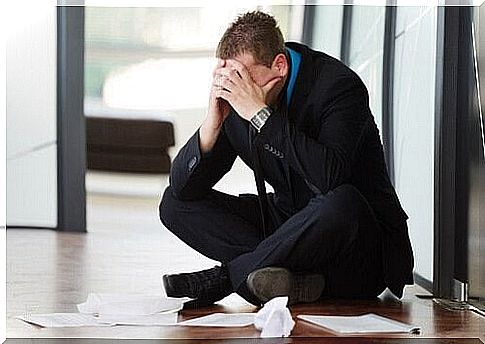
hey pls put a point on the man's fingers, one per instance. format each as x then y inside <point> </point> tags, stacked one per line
<point>224,82</point>
<point>228,73</point>
<point>224,94</point>
<point>220,63</point>
<point>239,67</point>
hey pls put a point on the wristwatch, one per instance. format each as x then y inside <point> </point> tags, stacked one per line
<point>260,117</point>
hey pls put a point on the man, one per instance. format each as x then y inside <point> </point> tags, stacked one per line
<point>300,120</point>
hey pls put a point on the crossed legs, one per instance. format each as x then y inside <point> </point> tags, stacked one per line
<point>335,235</point>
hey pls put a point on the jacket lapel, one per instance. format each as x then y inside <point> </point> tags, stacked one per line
<point>303,84</point>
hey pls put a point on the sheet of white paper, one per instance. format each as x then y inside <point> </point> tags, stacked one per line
<point>221,320</point>
<point>368,323</point>
<point>162,319</point>
<point>62,320</point>
<point>130,304</point>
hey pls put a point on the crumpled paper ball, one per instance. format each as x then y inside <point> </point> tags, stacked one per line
<point>274,319</point>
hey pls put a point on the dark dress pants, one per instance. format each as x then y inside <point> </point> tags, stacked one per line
<point>336,235</point>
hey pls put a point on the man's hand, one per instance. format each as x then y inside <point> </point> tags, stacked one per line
<point>234,84</point>
<point>217,113</point>
<point>218,108</point>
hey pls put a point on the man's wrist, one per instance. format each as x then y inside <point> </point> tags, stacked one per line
<point>207,137</point>
<point>260,117</point>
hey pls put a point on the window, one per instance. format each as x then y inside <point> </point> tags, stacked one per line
<point>156,58</point>
<point>366,51</point>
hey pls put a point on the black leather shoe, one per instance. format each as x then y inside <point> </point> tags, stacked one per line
<point>270,282</point>
<point>205,287</point>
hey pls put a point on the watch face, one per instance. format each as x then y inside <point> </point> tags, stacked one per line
<point>259,119</point>
<point>263,112</point>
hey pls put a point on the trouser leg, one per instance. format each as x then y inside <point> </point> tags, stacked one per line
<point>219,226</point>
<point>336,235</point>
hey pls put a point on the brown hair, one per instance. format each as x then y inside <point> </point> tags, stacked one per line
<point>253,32</point>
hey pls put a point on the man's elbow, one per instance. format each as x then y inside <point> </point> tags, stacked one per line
<point>185,192</point>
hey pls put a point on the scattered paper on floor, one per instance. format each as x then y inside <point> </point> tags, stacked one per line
<point>115,309</point>
<point>221,320</point>
<point>61,320</point>
<point>81,319</point>
<point>368,323</point>
<point>130,304</point>
<point>162,319</point>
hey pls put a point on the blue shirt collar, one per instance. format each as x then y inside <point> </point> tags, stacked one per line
<point>295,59</point>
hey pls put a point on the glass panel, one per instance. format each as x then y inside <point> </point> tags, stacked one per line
<point>327,29</point>
<point>476,184</point>
<point>31,116</point>
<point>408,16</point>
<point>366,52</point>
<point>414,111</point>
<point>152,58</point>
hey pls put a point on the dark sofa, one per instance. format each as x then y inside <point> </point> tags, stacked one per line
<point>129,145</point>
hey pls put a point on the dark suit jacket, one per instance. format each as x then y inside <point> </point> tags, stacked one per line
<point>326,137</point>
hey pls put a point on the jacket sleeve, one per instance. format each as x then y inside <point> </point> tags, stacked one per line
<point>193,173</point>
<point>325,160</point>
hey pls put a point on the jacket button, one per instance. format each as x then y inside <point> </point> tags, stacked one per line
<point>266,146</point>
<point>192,163</point>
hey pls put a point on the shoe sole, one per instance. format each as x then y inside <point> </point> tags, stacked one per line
<point>171,291</point>
<point>271,282</point>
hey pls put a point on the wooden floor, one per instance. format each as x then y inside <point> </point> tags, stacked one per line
<point>126,250</point>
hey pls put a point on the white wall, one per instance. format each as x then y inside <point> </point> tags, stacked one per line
<point>31,116</point>
<point>414,111</point>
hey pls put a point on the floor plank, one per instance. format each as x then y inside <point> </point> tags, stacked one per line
<point>356,340</point>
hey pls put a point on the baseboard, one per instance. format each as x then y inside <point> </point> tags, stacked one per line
<point>423,282</point>
<point>30,227</point>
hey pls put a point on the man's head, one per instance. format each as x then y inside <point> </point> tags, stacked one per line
<point>256,33</point>
<point>255,40</point>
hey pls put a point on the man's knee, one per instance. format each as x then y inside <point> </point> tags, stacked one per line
<point>340,210</point>
<point>347,199</point>
<point>167,208</point>
<point>348,192</point>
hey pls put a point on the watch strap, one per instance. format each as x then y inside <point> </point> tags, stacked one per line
<point>260,117</point>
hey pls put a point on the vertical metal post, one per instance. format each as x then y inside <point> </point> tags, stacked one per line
<point>71,135</point>
<point>308,23</point>
<point>388,89</point>
<point>345,42</point>
<point>445,150</point>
